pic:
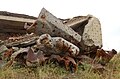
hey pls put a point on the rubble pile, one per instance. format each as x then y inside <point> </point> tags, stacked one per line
<point>38,41</point>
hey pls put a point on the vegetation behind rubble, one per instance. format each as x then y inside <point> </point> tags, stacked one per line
<point>52,71</point>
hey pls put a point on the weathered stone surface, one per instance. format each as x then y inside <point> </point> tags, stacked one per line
<point>83,31</point>
<point>22,41</point>
<point>58,45</point>
<point>47,23</point>
<point>92,33</point>
<point>88,27</point>
<point>14,23</point>
<point>77,23</point>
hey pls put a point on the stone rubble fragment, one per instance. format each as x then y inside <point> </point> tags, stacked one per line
<point>48,23</point>
<point>58,45</point>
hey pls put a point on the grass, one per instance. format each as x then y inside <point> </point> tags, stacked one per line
<point>52,71</point>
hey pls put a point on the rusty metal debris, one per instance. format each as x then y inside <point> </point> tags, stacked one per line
<point>68,42</point>
<point>104,57</point>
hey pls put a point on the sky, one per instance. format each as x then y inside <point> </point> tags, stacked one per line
<point>107,11</point>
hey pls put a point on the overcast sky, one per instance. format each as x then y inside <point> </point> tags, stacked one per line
<point>107,11</point>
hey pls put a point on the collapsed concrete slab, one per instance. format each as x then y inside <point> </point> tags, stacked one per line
<point>83,31</point>
<point>48,23</point>
<point>14,23</point>
<point>77,23</point>
<point>92,34</point>
<point>88,27</point>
